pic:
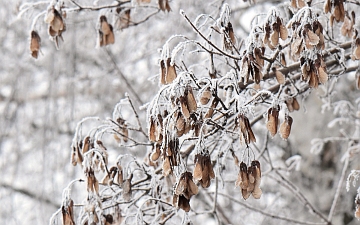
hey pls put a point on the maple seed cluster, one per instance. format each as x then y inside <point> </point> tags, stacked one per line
<point>249,180</point>
<point>246,134</point>
<point>309,36</point>
<point>273,120</point>
<point>203,170</point>
<point>184,190</point>
<point>56,24</point>
<point>298,4</point>
<point>337,10</point>
<point>274,31</point>
<point>252,64</point>
<point>348,25</point>
<point>167,71</point>
<point>105,33</point>
<point>229,37</point>
<point>67,211</point>
<point>313,71</point>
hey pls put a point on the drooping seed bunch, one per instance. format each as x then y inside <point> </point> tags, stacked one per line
<point>249,180</point>
<point>273,120</point>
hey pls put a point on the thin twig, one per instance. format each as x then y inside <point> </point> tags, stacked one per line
<point>207,40</point>
<point>338,189</point>
<point>274,216</point>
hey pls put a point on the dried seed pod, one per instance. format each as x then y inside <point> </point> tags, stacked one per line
<point>289,103</point>
<point>243,180</point>
<point>327,6</point>
<point>282,59</point>
<point>96,185</point>
<point>124,20</point>
<point>356,51</point>
<point>283,32</point>
<point>197,173</point>
<point>35,43</point>
<point>184,107</point>
<point>156,154</point>
<point>323,77</point>
<point>162,72</point>
<point>74,157</point>
<point>279,76</point>
<point>313,38</point>
<point>258,56</point>
<point>190,99</point>
<point>246,134</point>
<point>55,21</point>
<point>273,120</point>
<point>296,47</point>
<point>245,69</point>
<point>205,96</point>
<point>185,186</point>
<point>181,202</point>
<point>210,112</point>
<point>164,5</point>
<point>314,80</point>
<point>105,32</point>
<point>152,130</point>
<point>180,124</point>
<point>257,191</point>
<point>357,80</point>
<point>203,170</point>
<point>68,213</point>
<point>170,72</point>
<point>347,27</point>
<point>274,38</point>
<point>90,181</point>
<point>285,127</point>
<point>295,104</point>
<point>251,184</point>
<point>357,210</point>
<point>166,167</point>
<point>86,145</point>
